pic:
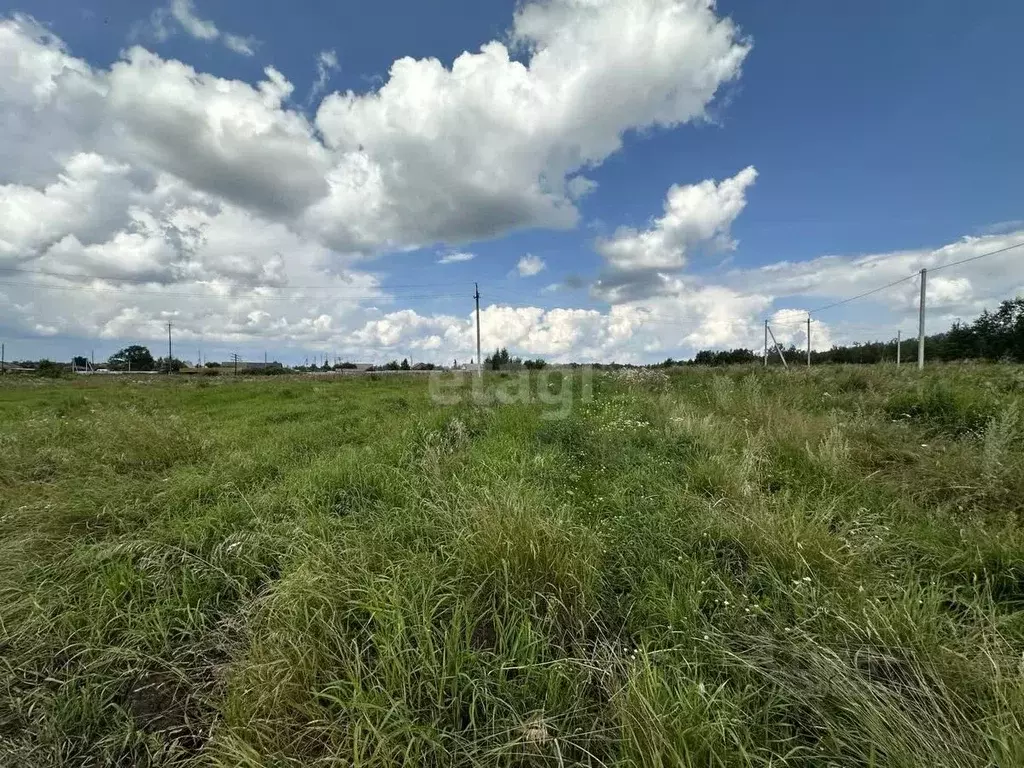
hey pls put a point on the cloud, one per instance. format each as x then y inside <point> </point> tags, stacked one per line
<point>436,154</point>
<point>455,258</point>
<point>182,14</point>
<point>183,11</point>
<point>695,215</point>
<point>326,63</point>
<point>965,289</point>
<point>1002,227</point>
<point>494,144</point>
<point>530,265</point>
<point>243,45</point>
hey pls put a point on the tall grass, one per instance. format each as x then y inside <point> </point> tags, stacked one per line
<point>730,568</point>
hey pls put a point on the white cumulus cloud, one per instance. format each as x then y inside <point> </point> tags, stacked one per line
<point>491,144</point>
<point>530,265</point>
<point>695,215</point>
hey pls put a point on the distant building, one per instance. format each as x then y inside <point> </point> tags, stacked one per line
<point>251,366</point>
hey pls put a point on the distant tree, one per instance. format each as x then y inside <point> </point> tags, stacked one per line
<point>49,369</point>
<point>501,360</point>
<point>534,365</point>
<point>724,357</point>
<point>405,364</point>
<point>347,366</point>
<point>392,366</point>
<point>135,357</point>
<point>80,362</point>
<point>166,365</point>
<point>212,365</point>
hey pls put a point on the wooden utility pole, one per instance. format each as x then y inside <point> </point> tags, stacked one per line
<point>170,353</point>
<point>920,324</point>
<point>765,343</point>
<point>778,348</point>
<point>808,341</point>
<point>479,360</point>
<point>899,343</point>
<point>3,359</point>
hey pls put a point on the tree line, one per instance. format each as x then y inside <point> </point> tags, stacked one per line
<point>994,336</point>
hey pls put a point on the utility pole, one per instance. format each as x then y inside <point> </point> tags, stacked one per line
<point>898,345</point>
<point>479,360</point>
<point>777,348</point>
<point>765,343</point>
<point>920,324</point>
<point>170,354</point>
<point>808,341</point>
<point>3,359</point>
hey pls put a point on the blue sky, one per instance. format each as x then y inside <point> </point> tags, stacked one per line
<point>885,135</point>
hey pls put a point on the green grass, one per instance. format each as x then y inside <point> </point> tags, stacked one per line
<point>708,568</point>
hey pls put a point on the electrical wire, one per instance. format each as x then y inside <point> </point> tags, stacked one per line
<point>912,276</point>
<point>862,295</point>
<point>975,258</point>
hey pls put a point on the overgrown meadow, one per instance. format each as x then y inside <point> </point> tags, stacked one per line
<point>706,568</point>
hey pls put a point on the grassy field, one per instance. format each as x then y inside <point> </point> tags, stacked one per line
<point>732,568</point>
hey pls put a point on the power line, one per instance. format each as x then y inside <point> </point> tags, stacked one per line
<point>915,275</point>
<point>975,258</point>
<point>862,295</point>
